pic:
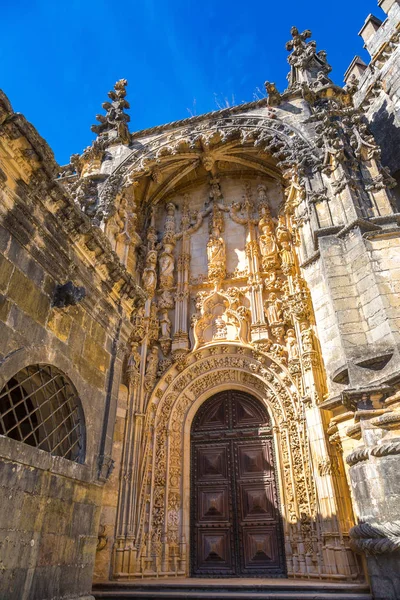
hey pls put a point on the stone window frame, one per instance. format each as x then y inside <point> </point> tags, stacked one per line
<point>41,408</point>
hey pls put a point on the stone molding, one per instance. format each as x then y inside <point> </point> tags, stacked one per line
<point>378,451</point>
<point>376,538</point>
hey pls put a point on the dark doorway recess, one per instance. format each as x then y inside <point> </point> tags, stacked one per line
<point>236,528</point>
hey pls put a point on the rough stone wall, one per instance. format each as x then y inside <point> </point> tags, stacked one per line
<point>50,506</point>
<point>48,524</point>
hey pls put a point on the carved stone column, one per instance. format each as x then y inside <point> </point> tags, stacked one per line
<point>180,342</point>
<point>374,476</point>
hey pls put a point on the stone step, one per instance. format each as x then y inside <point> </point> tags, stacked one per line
<point>231,590</point>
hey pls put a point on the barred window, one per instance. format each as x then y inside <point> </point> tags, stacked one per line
<point>40,407</point>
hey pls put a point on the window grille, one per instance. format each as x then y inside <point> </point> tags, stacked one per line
<point>40,407</point>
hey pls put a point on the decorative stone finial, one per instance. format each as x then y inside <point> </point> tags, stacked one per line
<point>114,124</point>
<point>308,67</point>
<point>274,97</point>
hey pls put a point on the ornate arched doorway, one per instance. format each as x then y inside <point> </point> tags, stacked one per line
<point>236,528</point>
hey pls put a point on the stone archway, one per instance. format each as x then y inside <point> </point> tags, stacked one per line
<point>162,530</point>
<point>158,537</point>
<point>235,511</point>
<point>225,133</point>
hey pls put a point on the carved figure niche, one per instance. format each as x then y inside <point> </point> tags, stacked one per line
<point>166,270</point>
<point>220,317</point>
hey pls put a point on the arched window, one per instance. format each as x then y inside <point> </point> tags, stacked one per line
<point>39,406</point>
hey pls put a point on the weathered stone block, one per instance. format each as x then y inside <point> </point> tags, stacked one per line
<point>6,270</point>
<point>5,238</point>
<point>82,520</point>
<point>58,516</point>
<point>28,297</point>
<point>96,354</point>
<point>20,257</point>
<point>60,324</point>
<point>45,582</point>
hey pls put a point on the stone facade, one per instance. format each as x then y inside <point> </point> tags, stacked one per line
<point>50,506</point>
<point>255,248</point>
<point>378,84</point>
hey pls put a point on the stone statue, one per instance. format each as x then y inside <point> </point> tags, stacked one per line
<point>219,329</point>
<point>284,239</point>
<point>165,330</point>
<point>282,232</point>
<point>165,325</point>
<point>133,363</point>
<point>262,196</point>
<point>273,310</point>
<point>169,227</point>
<point>268,246</point>
<point>216,249</point>
<point>149,274</point>
<point>287,261</point>
<point>151,368</point>
<point>307,338</point>
<point>292,346</point>
<point>167,266</point>
<point>166,262</point>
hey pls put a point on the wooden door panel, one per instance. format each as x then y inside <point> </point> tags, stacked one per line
<point>235,519</point>
<point>213,540</point>
<point>247,412</point>
<point>214,417</point>
<point>254,460</point>
<point>260,549</point>
<point>213,504</point>
<point>258,515</point>
<point>258,501</point>
<point>214,552</point>
<point>212,463</point>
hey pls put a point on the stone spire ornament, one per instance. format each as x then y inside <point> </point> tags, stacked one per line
<point>308,68</point>
<point>113,126</point>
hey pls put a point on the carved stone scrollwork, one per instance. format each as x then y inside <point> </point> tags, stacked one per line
<point>358,455</point>
<point>139,325</point>
<point>220,317</point>
<point>309,68</point>
<point>328,466</point>
<point>386,448</point>
<point>298,303</point>
<point>113,125</point>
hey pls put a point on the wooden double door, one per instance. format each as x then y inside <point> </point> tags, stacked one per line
<point>236,528</point>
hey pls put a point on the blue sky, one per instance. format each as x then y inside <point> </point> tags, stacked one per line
<point>59,59</point>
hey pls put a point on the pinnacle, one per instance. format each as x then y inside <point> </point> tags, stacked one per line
<point>113,124</point>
